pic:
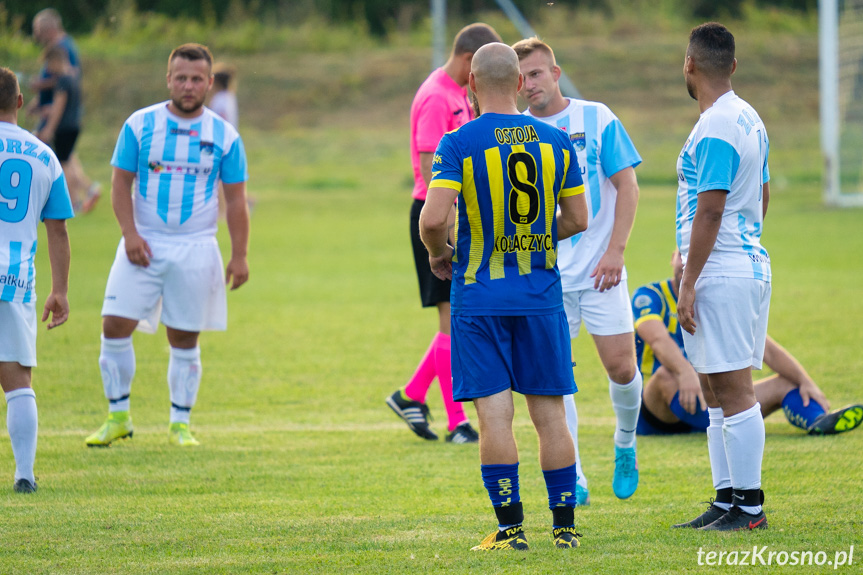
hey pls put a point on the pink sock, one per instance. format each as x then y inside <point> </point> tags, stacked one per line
<point>454,410</point>
<point>418,386</point>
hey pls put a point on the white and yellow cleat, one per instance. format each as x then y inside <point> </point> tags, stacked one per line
<point>117,426</point>
<point>179,434</point>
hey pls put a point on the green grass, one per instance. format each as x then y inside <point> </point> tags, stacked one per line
<point>302,468</point>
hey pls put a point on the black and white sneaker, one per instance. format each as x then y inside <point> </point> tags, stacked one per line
<point>24,486</point>
<point>712,514</point>
<point>838,421</point>
<point>414,413</point>
<point>738,520</point>
<point>464,433</point>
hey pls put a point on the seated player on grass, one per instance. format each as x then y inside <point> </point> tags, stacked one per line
<point>672,398</point>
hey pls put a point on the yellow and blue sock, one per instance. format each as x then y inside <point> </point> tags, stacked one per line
<point>699,420</point>
<point>797,415</point>
<point>560,484</point>
<point>501,482</point>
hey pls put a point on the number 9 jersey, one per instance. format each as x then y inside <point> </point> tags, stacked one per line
<point>32,188</point>
<point>509,171</point>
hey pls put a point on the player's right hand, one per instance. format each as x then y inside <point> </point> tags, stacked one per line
<point>442,266</point>
<point>57,308</point>
<point>138,250</point>
<point>691,396</point>
<point>686,309</point>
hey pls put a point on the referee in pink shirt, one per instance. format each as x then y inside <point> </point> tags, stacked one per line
<point>441,105</point>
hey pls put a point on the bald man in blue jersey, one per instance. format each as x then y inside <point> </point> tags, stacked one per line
<point>509,173</point>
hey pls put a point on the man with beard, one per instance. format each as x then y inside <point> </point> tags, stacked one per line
<point>723,192</point>
<point>168,261</point>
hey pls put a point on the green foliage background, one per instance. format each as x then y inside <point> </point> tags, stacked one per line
<point>302,468</point>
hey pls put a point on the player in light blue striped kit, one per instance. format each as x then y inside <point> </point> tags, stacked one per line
<point>168,267</point>
<point>724,300</point>
<point>32,188</point>
<point>592,270</point>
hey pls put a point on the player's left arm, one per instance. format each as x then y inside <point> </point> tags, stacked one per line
<point>705,229</point>
<point>765,199</point>
<point>58,106</point>
<point>59,255</point>
<point>786,366</point>
<point>237,217</point>
<point>609,270</point>
<point>434,230</point>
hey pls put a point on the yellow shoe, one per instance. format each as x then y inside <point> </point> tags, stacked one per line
<point>117,426</point>
<point>512,538</point>
<point>179,434</point>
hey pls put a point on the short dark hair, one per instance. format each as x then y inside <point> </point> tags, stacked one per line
<point>473,37</point>
<point>191,52</point>
<point>711,46</point>
<point>223,76</point>
<point>9,90</point>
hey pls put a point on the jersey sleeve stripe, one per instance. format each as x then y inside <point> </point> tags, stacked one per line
<point>645,318</point>
<point>568,192</point>
<point>449,184</point>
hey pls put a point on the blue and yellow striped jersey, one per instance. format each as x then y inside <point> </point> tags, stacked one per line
<point>655,301</point>
<point>509,171</point>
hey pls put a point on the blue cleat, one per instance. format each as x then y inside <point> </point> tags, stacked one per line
<point>625,472</point>
<point>582,496</point>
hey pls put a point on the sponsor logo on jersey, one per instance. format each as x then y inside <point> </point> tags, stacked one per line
<point>183,132</point>
<point>160,168</point>
<point>578,140</point>
<point>643,301</point>
<point>12,280</point>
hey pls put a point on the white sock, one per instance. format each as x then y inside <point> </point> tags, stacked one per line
<point>744,449</point>
<point>117,364</point>
<point>184,379</point>
<point>716,450</point>
<point>626,400</point>
<point>22,421</point>
<point>572,424</point>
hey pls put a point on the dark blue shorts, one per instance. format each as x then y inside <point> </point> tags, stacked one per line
<point>530,354</point>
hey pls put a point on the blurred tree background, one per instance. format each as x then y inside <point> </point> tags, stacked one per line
<point>380,16</point>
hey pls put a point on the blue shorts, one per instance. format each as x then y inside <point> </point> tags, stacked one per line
<point>529,354</point>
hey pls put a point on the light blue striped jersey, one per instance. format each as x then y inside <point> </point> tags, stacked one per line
<point>727,150</point>
<point>603,148</point>
<point>179,162</point>
<point>32,188</point>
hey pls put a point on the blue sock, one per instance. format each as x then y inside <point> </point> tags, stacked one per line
<point>698,420</point>
<point>501,482</point>
<point>560,484</point>
<point>797,415</point>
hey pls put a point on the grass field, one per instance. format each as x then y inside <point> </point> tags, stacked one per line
<point>302,468</point>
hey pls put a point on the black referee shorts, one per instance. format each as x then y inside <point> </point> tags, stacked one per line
<point>432,290</point>
<point>64,142</point>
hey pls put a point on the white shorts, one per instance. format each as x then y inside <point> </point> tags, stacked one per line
<point>18,333</point>
<point>184,286</point>
<point>606,313</point>
<point>731,324</point>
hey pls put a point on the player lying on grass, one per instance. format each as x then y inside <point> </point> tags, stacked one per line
<point>673,402</point>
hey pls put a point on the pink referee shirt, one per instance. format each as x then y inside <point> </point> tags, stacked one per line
<point>440,106</point>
